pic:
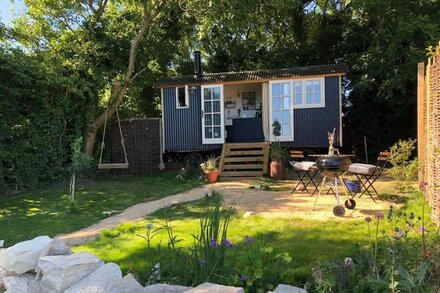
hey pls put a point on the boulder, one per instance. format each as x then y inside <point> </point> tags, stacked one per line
<point>214,288</point>
<point>3,274</point>
<point>62,271</point>
<point>25,283</point>
<point>281,288</point>
<point>100,281</point>
<point>23,256</point>
<point>55,247</point>
<point>165,288</point>
<point>127,285</point>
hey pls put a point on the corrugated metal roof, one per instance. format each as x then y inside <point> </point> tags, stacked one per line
<point>208,78</point>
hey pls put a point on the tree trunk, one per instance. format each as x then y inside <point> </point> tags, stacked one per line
<point>119,88</point>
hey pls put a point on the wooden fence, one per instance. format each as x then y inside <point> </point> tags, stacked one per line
<point>428,108</point>
<point>142,142</point>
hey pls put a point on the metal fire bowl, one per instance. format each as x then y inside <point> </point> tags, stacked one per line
<point>333,165</point>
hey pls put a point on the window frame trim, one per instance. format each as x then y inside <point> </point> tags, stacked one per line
<point>304,105</point>
<point>186,97</point>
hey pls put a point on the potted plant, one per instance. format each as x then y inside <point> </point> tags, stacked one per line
<point>278,154</point>
<point>209,168</point>
<point>353,184</point>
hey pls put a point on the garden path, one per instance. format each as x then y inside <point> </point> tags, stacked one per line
<point>277,204</point>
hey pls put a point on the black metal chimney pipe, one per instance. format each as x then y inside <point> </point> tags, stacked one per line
<point>197,64</point>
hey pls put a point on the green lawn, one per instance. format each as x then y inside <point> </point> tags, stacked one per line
<point>44,211</point>
<point>309,242</point>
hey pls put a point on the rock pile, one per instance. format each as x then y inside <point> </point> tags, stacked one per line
<point>45,265</point>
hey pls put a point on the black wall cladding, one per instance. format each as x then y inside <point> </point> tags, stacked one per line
<point>142,142</point>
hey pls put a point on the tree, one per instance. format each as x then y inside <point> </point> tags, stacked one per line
<point>120,87</point>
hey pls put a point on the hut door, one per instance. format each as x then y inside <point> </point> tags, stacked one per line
<point>213,126</point>
<point>281,109</point>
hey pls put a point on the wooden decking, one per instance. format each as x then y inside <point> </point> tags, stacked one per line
<point>241,161</point>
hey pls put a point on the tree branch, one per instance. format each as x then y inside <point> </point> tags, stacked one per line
<point>139,73</point>
<point>147,21</point>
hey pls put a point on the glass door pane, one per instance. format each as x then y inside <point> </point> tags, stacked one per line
<point>282,108</point>
<point>213,121</point>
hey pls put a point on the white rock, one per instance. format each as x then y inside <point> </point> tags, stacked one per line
<point>25,283</point>
<point>23,256</point>
<point>55,247</point>
<point>281,288</point>
<point>127,285</point>
<point>214,288</point>
<point>100,281</point>
<point>3,274</point>
<point>62,271</point>
<point>2,242</point>
<point>247,214</point>
<point>165,288</point>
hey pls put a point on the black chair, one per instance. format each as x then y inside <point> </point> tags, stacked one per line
<point>305,170</point>
<point>367,174</point>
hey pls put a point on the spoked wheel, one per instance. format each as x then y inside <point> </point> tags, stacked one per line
<point>339,211</point>
<point>193,160</point>
<point>350,204</point>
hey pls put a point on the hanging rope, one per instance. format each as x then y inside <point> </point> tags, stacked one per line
<point>112,165</point>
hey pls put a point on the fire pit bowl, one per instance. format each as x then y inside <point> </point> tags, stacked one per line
<point>333,165</point>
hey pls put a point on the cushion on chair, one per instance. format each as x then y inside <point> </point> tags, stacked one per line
<point>303,166</point>
<point>364,169</point>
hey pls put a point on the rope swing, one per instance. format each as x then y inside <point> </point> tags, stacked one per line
<point>112,165</point>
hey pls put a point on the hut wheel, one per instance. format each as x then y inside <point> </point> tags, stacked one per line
<point>193,161</point>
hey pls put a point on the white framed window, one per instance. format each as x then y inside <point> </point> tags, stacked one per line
<point>309,93</point>
<point>182,97</point>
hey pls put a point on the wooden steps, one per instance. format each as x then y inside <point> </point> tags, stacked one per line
<point>244,161</point>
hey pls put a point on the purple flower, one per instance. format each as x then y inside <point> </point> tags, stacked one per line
<point>422,229</point>
<point>411,216</point>
<point>249,240</point>
<point>400,234</point>
<point>244,278</point>
<point>203,262</point>
<point>368,219</point>
<point>379,215</point>
<point>213,243</point>
<point>226,242</point>
<point>424,186</point>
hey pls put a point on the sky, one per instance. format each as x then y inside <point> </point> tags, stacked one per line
<point>8,10</point>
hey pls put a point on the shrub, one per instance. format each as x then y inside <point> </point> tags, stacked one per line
<point>404,169</point>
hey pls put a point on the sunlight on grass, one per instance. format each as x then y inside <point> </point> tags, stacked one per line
<point>44,211</point>
<point>309,242</point>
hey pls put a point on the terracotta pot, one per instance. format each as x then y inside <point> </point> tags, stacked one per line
<point>277,170</point>
<point>211,175</point>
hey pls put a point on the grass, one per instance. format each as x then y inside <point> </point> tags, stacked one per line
<point>309,242</point>
<point>44,211</point>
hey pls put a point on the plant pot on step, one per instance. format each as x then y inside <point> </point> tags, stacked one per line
<point>277,170</point>
<point>211,175</point>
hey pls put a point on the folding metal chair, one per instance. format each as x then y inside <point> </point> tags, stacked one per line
<point>305,170</point>
<point>367,174</point>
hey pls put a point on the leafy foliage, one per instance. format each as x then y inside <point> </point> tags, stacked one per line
<point>67,55</point>
<point>404,168</point>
